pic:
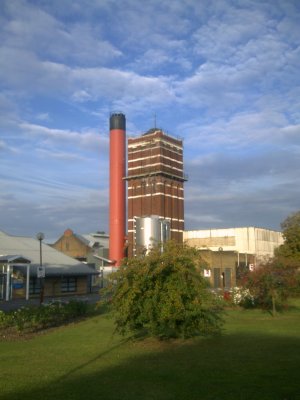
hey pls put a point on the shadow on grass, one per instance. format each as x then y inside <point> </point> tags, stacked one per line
<point>235,367</point>
<point>91,361</point>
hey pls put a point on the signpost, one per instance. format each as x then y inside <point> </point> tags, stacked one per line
<point>41,271</point>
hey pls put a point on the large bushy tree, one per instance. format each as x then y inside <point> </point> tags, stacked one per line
<point>271,284</point>
<point>290,249</point>
<point>165,295</point>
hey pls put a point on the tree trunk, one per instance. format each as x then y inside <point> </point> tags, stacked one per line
<point>273,304</point>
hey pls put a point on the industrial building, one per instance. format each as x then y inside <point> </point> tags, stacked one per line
<point>230,252</point>
<point>155,179</point>
<point>89,248</point>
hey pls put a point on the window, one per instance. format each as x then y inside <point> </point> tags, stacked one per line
<point>69,284</point>
<point>34,286</point>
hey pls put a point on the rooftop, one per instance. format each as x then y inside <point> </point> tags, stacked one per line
<point>55,262</point>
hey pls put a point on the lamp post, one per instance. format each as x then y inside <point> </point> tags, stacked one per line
<point>41,274</point>
<point>101,275</point>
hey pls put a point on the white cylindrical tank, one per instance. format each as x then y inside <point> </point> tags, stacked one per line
<point>150,231</point>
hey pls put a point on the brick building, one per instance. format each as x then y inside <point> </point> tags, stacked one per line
<point>155,182</point>
<point>84,247</point>
<point>72,245</point>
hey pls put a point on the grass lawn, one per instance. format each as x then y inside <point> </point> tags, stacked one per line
<point>257,357</point>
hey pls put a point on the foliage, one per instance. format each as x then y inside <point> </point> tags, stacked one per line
<point>31,319</point>
<point>165,295</point>
<point>291,233</point>
<point>242,297</point>
<point>272,283</point>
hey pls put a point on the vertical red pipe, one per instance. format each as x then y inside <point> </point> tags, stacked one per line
<point>117,199</point>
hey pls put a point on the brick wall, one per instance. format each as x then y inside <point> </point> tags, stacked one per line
<point>155,182</point>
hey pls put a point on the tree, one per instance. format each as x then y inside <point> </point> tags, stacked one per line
<point>272,284</point>
<point>165,295</point>
<point>290,249</point>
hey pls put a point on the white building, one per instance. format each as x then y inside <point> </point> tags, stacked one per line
<point>231,251</point>
<point>258,242</point>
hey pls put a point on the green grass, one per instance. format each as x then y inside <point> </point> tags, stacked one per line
<point>257,357</point>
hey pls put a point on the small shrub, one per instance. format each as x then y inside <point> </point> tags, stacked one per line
<point>77,308</point>
<point>4,321</point>
<point>242,297</point>
<point>32,319</point>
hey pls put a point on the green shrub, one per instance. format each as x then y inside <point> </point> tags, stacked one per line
<point>165,295</point>
<point>31,319</point>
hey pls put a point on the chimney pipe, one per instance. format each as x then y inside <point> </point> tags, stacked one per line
<point>117,199</point>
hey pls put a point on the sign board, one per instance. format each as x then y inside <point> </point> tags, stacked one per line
<point>207,273</point>
<point>17,285</point>
<point>41,272</point>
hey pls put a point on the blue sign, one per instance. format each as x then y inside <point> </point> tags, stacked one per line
<point>18,285</point>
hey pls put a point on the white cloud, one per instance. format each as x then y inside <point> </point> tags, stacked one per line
<point>117,84</point>
<point>61,156</point>
<point>81,96</point>
<point>6,148</point>
<point>86,139</point>
<point>23,71</point>
<point>77,43</point>
<point>43,117</point>
<point>2,145</point>
<point>83,211</point>
<point>223,74</point>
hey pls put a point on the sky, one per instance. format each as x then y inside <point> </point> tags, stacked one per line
<point>223,75</point>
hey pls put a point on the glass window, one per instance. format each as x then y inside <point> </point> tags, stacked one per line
<point>34,286</point>
<point>69,284</point>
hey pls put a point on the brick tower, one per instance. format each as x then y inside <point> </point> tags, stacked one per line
<point>155,181</point>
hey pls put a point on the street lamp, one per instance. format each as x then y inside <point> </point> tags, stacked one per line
<point>102,277</point>
<point>41,273</point>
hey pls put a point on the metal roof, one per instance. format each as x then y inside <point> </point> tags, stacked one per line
<point>14,258</point>
<point>101,240</point>
<point>55,262</point>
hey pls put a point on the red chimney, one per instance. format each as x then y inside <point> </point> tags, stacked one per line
<point>117,199</point>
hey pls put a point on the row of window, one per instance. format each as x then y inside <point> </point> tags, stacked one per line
<point>67,285</point>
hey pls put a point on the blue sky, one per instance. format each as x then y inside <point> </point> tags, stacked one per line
<point>224,75</point>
